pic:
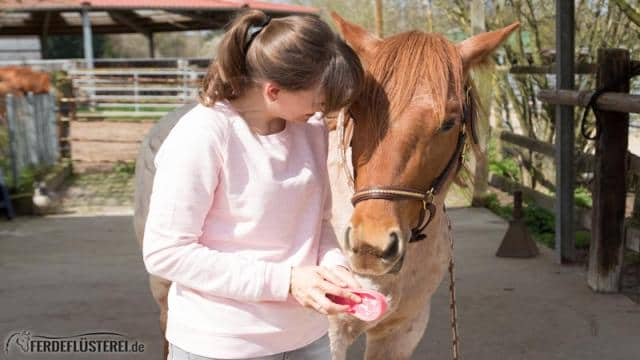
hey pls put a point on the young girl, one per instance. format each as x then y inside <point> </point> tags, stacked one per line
<point>239,215</point>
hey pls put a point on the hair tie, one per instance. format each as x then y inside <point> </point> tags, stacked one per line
<point>254,30</point>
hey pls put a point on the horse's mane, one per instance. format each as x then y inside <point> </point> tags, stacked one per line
<point>411,67</point>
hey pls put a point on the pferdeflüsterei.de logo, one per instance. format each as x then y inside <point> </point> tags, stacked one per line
<point>93,342</point>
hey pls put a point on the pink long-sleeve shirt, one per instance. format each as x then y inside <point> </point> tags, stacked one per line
<point>230,213</point>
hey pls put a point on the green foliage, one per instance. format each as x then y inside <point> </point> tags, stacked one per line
<point>27,177</point>
<point>583,238</point>
<point>583,197</point>
<point>508,168</point>
<point>124,168</point>
<point>493,204</point>
<point>539,221</point>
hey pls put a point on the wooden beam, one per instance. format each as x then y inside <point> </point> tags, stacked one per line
<point>582,68</point>
<point>130,22</point>
<point>610,101</point>
<point>565,47</point>
<point>215,22</point>
<point>528,143</point>
<point>547,149</point>
<point>609,191</point>
<point>45,34</point>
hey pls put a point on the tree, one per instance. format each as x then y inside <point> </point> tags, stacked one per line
<point>629,11</point>
<point>71,46</point>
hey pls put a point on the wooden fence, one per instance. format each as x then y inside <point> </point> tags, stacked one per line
<point>134,92</point>
<point>32,129</point>
<point>612,165</point>
<point>127,88</point>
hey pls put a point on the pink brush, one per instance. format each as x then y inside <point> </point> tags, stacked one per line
<point>371,308</point>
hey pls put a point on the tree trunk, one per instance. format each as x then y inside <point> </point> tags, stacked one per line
<point>378,19</point>
<point>484,84</point>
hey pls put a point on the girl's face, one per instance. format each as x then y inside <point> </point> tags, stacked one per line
<point>296,106</point>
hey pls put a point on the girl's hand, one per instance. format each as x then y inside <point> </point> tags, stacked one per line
<point>343,277</point>
<point>310,284</point>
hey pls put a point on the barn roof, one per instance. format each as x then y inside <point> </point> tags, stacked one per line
<point>35,17</point>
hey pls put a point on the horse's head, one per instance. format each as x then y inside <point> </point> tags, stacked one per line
<point>407,126</point>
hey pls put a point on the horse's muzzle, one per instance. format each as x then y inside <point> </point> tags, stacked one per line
<point>371,259</point>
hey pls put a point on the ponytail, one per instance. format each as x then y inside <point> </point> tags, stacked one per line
<point>296,52</point>
<point>227,75</point>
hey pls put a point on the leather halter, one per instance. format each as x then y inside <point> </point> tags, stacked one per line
<point>391,192</point>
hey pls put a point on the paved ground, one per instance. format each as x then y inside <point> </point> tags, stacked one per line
<point>67,275</point>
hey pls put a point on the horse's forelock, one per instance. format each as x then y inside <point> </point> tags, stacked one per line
<point>410,68</point>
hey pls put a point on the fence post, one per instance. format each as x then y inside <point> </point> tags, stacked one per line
<point>565,176</point>
<point>12,138</point>
<point>135,91</point>
<point>609,192</point>
<point>30,130</point>
<point>183,71</point>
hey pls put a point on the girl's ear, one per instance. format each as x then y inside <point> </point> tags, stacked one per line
<point>271,91</point>
<point>362,41</point>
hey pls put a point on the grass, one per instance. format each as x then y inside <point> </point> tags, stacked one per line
<point>141,107</point>
<point>539,221</point>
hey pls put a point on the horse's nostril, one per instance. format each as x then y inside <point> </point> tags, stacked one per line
<point>391,252</point>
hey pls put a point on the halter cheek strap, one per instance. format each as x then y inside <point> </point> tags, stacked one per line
<point>403,193</point>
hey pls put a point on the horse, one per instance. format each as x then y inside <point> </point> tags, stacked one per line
<point>408,132</point>
<point>20,80</point>
<point>144,174</point>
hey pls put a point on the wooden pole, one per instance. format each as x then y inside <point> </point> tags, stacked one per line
<point>608,101</point>
<point>44,35</point>
<point>565,47</point>
<point>87,38</point>
<point>484,80</point>
<point>152,52</point>
<point>429,16</point>
<point>609,192</point>
<point>378,19</point>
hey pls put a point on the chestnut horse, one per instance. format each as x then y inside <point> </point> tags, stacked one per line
<point>408,134</point>
<point>20,80</point>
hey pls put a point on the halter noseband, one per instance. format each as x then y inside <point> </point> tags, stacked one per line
<point>403,193</point>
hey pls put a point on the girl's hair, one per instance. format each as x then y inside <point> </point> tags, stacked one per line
<point>296,52</point>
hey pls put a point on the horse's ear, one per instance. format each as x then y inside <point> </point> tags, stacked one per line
<point>362,41</point>
<point>476,49</point>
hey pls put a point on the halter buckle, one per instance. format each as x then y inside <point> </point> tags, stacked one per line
<point>428,198</point>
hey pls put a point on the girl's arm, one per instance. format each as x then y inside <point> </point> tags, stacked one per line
<point>187,168</point>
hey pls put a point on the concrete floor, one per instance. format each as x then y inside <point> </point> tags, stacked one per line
<point>70,275</point>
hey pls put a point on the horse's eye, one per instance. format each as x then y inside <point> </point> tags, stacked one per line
<point>447,125</point>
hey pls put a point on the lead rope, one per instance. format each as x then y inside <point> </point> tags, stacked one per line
<point>455,339</point>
